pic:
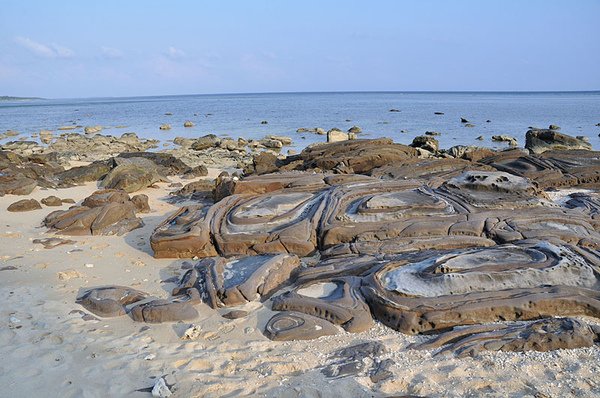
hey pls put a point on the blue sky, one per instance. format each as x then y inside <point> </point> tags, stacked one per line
<point>60,49</point>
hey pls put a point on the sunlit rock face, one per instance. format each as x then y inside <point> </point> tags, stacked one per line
<point>273,223</point>
<point>433,171</point>
<point>527,280</point>
<point>551,169</point>
<point>229,282</point>
<point>184,234</point>
<point>336,300</point>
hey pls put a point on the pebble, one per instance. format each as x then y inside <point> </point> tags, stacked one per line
<point>161,389</point>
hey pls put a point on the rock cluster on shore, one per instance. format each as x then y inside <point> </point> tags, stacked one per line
<point>419,241</point>
<point>343,234</point>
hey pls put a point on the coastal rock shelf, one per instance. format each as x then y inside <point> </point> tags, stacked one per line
<point>351,232</point>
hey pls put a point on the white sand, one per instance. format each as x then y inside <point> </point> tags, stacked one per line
<point>46,350</point>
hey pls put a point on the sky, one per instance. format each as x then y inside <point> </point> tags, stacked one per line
<point>67,49</point>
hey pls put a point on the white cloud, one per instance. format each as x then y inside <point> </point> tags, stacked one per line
<point>175,53</point>
<point>43,50</point>
<point>112,53</point>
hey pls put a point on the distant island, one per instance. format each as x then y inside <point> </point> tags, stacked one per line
<point>10,98</point>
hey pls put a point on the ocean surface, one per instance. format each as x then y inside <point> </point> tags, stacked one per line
<point>240,115</point>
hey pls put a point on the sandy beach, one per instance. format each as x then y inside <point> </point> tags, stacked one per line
<point>51,344</point>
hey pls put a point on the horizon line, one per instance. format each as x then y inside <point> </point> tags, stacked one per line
<point>319,92</point>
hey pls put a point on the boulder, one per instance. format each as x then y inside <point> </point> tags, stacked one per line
<point>361,156</point>
<point>175,309</point>
<point>105,212</point>
<point>131,176</point>
<point>208,141</point>
<point>81,174</point>
<point>539,141</point>
<point>16,184</point>
<point>426,142</point>
<point>92,129</point>
<point>110,301</point>
<point>24,205</point>
<point>52,201</point>
<point>337,136</point>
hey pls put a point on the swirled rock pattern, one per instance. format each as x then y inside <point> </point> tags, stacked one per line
<point>543,335</point>
<point>337,300</point>
<point>226,283</point>
<point>510,282</point>
<point>355,230</point>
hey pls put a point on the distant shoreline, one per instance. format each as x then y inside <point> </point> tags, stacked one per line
<point>11,98</point>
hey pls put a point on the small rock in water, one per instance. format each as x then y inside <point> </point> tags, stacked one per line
<point>438,113</point>
<point>463,120</point>
<point>161,389</point>
<point>394,110</point>
<point>188,124</point>
<point>264,122</point>
<point>89,265</point>
<point>149,357</point>
<point>165,127</point>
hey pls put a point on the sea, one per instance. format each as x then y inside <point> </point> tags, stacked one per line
<point>397,115</point>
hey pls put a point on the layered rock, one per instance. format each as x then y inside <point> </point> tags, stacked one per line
<point>336,300</point>
<point>543,335</point>
<point>225,283</point>
<point>105,212</point>
<point>538,141</point>
<point>524,281</point>
<point>552,169</point>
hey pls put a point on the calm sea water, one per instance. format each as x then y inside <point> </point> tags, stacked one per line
<point>236,115</point>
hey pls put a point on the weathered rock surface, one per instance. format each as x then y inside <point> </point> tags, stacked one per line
<point>543,335</point>
<point>358,360</point>
<point>180,308</point>
<point>105,212</point>
<point>24,205</point>
<point>509,282</point>
<point>133,174</point>
<point>361,156</point>
<point>336,300</point>
<point>426,142</point>
<point>538,141</point>
<point>110,301</point>
<point>52,201</point>
<point>286,326</point>
<point>226,283</point>
<point>552,169</point>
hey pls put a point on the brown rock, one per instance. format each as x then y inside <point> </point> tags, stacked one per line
<point>24,205</point>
